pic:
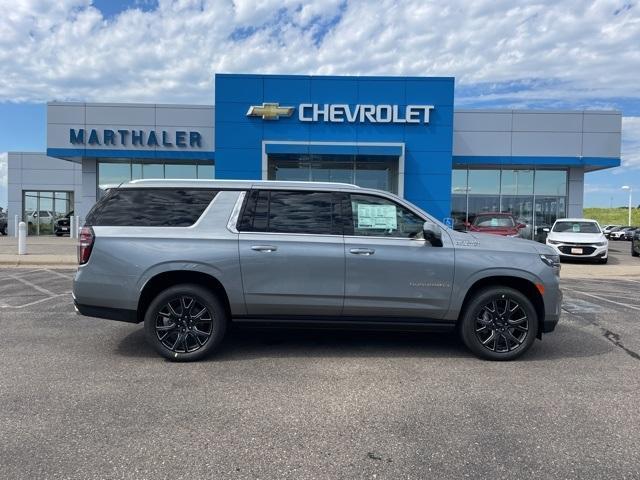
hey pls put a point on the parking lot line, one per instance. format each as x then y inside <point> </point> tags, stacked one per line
<point>32,285</point>
<point>35,302</point>
<point>68,277</point>
<point>604,299</point>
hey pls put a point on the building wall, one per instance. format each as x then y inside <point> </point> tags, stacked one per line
<point>37,171</point>
<point>64,116</point>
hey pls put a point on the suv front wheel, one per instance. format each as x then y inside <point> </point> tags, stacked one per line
<point>499,323</point>
<point>185,322</point>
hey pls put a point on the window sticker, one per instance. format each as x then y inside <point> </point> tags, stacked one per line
<point>494,222</point>
<point>576,228</point>
<point>377,216</point>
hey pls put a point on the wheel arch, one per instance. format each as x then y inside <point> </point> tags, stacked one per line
<point>523,285</point>
<point>166,279</point>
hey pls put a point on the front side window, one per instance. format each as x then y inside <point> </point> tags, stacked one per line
<point>380,217</point>
<point>278,211</point>
<point>576,227</point>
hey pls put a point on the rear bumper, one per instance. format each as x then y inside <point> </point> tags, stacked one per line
<point>117,314</point>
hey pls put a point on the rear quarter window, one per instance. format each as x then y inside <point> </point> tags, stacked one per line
<point>150,207</point>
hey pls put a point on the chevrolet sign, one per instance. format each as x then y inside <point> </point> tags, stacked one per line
<point>269,111</point>
<point>338,113</point>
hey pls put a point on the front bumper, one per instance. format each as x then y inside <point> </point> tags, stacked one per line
<point>568,250</point>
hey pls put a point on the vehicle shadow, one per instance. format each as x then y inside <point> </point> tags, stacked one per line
<point>243,343</point>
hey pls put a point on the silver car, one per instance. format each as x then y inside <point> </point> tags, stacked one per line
<point>189,257</point>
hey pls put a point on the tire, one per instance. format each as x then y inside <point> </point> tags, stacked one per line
<point>58,234</point>
<point>633,252</point>
<point>477,322</point>
<point>603,261</point>
<point>183,338</point>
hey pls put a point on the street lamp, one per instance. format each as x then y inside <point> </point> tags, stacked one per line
<point>627,187</point>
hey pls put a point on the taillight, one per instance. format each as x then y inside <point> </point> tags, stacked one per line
<point>85,244</point>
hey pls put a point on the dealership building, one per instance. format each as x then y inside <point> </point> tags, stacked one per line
<point>399,134</point>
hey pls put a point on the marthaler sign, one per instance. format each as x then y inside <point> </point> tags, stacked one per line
<point>338,113</point>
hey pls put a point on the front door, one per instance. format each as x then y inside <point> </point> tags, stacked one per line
<point>390,270</point>
<point>292,254</point>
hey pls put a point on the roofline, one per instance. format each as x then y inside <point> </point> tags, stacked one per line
<point>237,183</point>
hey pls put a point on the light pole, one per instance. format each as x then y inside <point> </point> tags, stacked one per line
<point>627,187</point>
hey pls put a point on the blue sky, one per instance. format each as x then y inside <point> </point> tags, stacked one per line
<point>569,54</point>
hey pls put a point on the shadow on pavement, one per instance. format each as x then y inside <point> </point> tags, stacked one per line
<point>242,343</point>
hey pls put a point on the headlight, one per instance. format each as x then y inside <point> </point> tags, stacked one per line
<point>553,242</point>
<point>600,244</point>
<point>551,260</point>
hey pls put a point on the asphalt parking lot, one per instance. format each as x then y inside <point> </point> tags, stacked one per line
<point>87,398</point>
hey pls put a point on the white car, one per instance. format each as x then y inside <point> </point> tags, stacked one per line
<point>579,238</point>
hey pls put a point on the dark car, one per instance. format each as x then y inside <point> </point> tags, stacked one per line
<point>635,243</point>
<point>629,233</point>
<point>497,223</point>
<point>62,226</point>
<point>3,223</point>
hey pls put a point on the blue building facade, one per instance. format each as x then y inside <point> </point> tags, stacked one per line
<point>329,130</point>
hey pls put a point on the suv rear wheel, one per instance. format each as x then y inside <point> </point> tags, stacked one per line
<point>499,323</point>
<point>185,322</point>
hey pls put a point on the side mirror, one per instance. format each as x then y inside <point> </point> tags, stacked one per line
<point>520,226</point>
<point>546,229</point>
<point>432,234</point>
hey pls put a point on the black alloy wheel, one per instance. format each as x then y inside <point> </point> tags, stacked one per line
<point>499,323</point>
<point>185,322</point>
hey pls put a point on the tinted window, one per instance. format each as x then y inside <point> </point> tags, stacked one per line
<point>379,217</point>
<point>150,207</point>
<point>576,227</point>
<point>290,212</point>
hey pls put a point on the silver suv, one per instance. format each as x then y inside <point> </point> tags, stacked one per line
<point>189,257</point>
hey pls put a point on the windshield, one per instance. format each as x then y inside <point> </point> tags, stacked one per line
<point>576,227</point>
<point>491,221</point>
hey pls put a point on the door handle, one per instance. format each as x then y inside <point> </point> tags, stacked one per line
<point>264,248</point>
<point>362,251</point>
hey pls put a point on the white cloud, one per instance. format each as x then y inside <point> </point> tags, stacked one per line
<point>67,50</point>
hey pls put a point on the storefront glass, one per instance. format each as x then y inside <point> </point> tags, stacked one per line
<point>369,171</point>
<point>42,209</point>
<point>115,172</point>
<point>535,197</point>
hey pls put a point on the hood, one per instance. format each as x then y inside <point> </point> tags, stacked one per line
<point>488,241</point>
<point>571,237</point>
<point>494,230</point>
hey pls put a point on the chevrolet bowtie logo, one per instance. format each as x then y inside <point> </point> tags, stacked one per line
<point>269,111</point>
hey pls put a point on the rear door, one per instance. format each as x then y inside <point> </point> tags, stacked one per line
<point>292,253</point>
<point>391,271</point>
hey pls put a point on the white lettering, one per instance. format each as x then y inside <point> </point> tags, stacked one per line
<point>301,109</point>
<point>339,112</point>
<point>336,112</point>
<point>383,113</point>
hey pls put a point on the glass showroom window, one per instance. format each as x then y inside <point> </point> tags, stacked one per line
<point>369,171</point>
<point>535,197</point>
<point>113,173</point>
<point>42,209</point>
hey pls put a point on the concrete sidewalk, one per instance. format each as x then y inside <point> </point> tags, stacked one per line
<point>41,251</point>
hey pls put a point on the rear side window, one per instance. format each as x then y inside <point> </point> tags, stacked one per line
<point>150,207</point>
<point>291,212</point>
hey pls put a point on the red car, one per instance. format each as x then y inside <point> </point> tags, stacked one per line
<point>497,223</point>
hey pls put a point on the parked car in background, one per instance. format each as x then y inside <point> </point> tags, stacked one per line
<point>619,233</point>
<point>629,232</point>
<point>3,223</point>
<point>607,229</point>
<point>635,243</point>
<point>579,238</point>
<point>190,258</point>
<point>496,223</point>
<point>44,217</point>
<point>62,226</point>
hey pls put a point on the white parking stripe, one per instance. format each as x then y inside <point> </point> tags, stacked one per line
<point>68,277</point>
<point>626,305</point>
<point>4,305</point>
<point>33,285</point>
